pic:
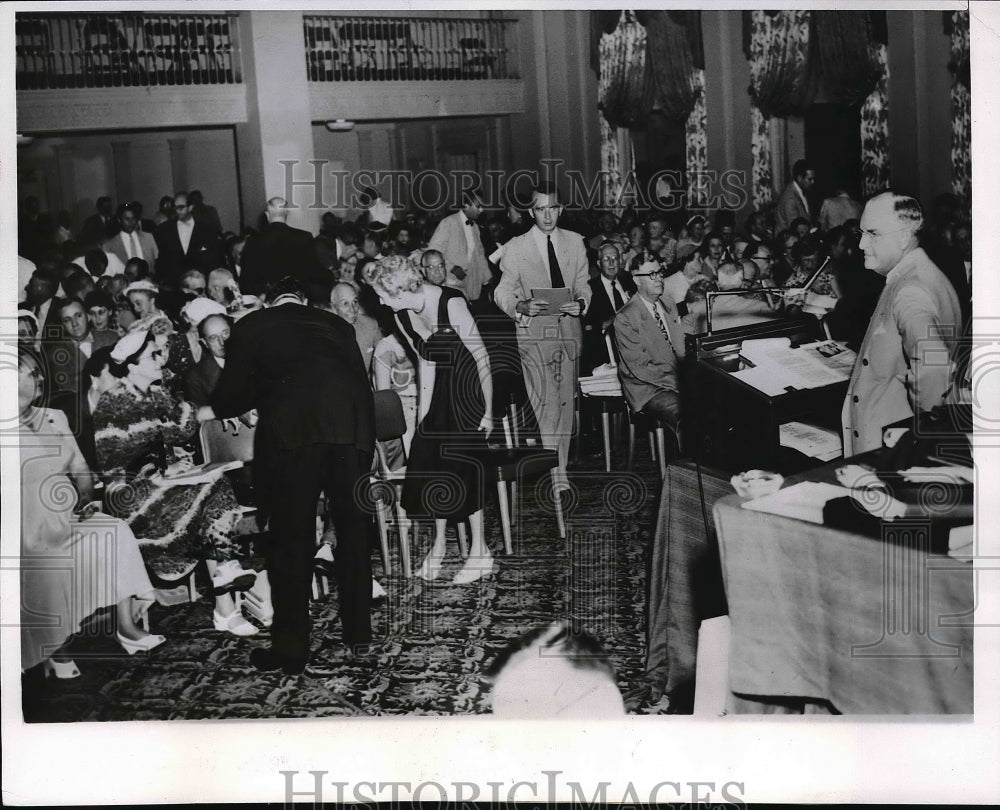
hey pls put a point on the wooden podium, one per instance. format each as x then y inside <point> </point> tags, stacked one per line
<point>733,425</point>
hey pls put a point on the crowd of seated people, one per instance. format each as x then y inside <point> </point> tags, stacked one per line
<point>130,320</point>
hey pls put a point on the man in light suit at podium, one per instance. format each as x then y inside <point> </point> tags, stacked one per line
<point>457,238</point>
<point>548,339</point>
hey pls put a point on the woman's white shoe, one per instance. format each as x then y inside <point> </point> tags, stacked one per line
<point>234,623</point>
<point>475,568</point>
<point>430,569</point>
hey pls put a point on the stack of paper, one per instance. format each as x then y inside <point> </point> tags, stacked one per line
<point>803,501</point>
<point>603,382</point>
<point>778,367</point>
<point>815,442</point>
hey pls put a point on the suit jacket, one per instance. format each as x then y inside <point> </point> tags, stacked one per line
<point>525,268</point>
<point>65,360</point>
<point>449,238</point>
<point>95,230</point>
<point>204,251</point>
<point>600,312</point>
<point>76,407</point>
<point>302,369</point>
<point>912,332</point>
<point>201,379</point>
<point>789,207</point>
<point>149,250</point>
<point>647,364</point>
<point>278,251</point>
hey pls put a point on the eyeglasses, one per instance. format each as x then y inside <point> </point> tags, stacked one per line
<point>876,234</point>
<point>764,258</point>
<point>657,274</point>
<point>220,338</point>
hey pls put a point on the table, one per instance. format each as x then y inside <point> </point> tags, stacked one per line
<point>684,581</point>
<point>827,620</point>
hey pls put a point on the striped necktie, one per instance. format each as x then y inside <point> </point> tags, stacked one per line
<point>663,326</point>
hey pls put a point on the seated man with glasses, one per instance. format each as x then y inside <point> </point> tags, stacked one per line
<point>609,292</point>
<point>650,345</point>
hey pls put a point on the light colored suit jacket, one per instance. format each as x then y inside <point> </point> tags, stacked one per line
<point>646,362</point>
<point>449,238</point>
<point>525,268</point>
<point>115,246</point>
<point>906,358</point>
<point>789,207</point>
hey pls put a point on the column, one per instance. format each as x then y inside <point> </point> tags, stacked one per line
<point>66,177</point>
<point>178,163</point>
<point>279,121</point>
<point>122,167</point>
<point>727,105</point>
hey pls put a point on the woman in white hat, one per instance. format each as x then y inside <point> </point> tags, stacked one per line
<point>137,422</point>
<point>74,559</point>
<point>142,298</point>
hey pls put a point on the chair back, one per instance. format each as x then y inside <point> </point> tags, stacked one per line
<point>221,445</point>
<point>390,423</point>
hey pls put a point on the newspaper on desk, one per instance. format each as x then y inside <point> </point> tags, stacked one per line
<point>776,366</point>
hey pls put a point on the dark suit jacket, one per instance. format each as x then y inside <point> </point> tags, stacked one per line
<point>278,251</point>
<point>600,311</point>
<point>201,379</point>
<point>204,251</point>
<point>302,369</point>
<point>65,361</point>
<point>95,230</point>
<point>81,421</point>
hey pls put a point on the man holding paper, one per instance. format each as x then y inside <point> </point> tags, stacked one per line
<point>544,289</point>
<point>905,361</point>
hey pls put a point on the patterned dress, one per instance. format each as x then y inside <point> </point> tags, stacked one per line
<point>175,525</point>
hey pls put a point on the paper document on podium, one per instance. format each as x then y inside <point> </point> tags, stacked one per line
<point>810,440</point>
<point>778,366</point>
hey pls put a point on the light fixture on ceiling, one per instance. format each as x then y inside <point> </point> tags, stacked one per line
<point>339,125</point>
<point>24,140</point>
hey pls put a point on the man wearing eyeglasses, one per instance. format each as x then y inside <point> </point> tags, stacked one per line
<point>609,292</point>
<point>650,345</point>
<point>549,339</point>
<point>186,244</point>
<point>905,361</point>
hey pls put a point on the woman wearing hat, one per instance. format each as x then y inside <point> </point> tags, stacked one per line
<point>142,297</point>
<point>74,559</point>
<point>692,235</point>
<point>134,422</point>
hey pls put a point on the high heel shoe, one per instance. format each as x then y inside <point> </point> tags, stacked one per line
<point>61,670</point>
<point>474,569</point>
<point>430,569</point>
<point>260,609</point>
<point>144,644</point>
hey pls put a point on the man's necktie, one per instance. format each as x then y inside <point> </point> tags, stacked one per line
<point>617,297</point>
<point>554,272</point>
<point>662,325</point>
<point>469,222</point>
<point>136,247</point>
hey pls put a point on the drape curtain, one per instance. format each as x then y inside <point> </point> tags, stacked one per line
<point>875,131</point>
<point>614,91</point>
<point>961,108</point>
<point>625,94</point>
<point>696,142</point>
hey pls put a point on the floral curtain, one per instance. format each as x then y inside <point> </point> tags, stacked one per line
<point>779,55</point>
<point>760,149</point>
<point>875,131</point>
<point>612,161</point>
<point>961,108</point>
<point>696,141</point>
<point>845,55</point>
<point>625,94</point>
<point>671,63</point>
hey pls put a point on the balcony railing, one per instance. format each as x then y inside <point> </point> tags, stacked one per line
<point>126,49</point>
<point>351,49</point>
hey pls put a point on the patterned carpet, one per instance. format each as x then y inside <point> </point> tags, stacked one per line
<point>434,639</point>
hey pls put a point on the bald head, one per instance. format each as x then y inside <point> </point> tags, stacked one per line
<point>889,228</point>
<point>730,276</point>
<point>220,280</point>
<point>344,301</point>
<point>277,209</point>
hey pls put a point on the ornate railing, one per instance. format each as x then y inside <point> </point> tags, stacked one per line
<point>350,49</point>
<point>126,49</point>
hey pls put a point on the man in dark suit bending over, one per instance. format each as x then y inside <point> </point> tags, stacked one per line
<point>302,369</point>
<point>281,250</point>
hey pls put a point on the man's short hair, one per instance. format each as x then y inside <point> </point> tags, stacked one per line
<point>908,210</point>
<point>96,261</point>
<point>546,189</point>
<point>730,276</point>
<point>195,274</point>
<point>207,318</point>
<point>800,168</point>
<point>287,285</point>
<point>59,304</point>
<point>430,252</point>
<point>99,298</point>
<point>350,234</point>
<point>76,282</point>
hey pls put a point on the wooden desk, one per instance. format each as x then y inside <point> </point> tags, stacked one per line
<point>827,620</point>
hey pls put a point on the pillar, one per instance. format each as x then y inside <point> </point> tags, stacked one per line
<point>178,163</point>
<point>122,167</point>
<point>275,145</point>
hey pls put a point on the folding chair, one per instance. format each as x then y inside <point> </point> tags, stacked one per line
<point>390,424</point>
